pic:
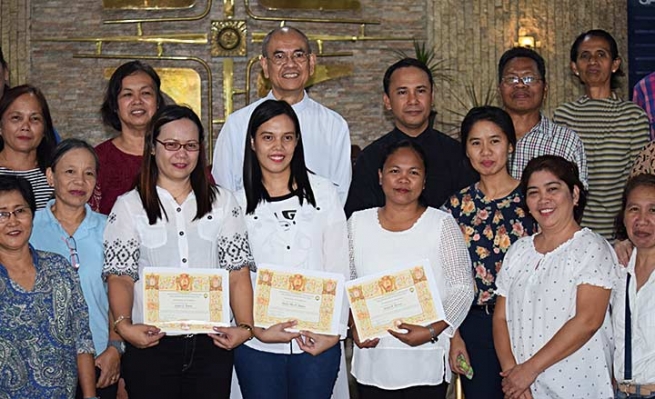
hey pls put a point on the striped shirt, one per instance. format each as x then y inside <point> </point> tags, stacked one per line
<point>42,191</point>
<point>548,138</point>
<point>644,95</point>
<point>613,132</point>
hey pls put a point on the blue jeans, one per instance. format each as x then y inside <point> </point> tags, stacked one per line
<point>264,375</point>
<point>622,395</point>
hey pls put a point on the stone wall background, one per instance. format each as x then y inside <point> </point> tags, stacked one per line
<point>470,35</point>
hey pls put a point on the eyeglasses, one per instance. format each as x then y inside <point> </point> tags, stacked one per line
<point>72,248</point>
<point>280,58</point>
<point>19,213</point>
<point>526,80</point>
<point>192,146</point>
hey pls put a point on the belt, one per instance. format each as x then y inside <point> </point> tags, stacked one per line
<point>646,389</point>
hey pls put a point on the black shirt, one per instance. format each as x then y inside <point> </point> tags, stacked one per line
<point>448,170</point>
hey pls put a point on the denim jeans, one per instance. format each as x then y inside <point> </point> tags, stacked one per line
<point>622,395</point>
<point>179,367</point>
<point>264,375</point>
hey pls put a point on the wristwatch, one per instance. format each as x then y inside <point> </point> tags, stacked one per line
<point>248,328</point>
<point>433,334</point>
<point>119,345</point>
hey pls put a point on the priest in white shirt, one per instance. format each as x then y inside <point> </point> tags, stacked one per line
<point>288,62</point>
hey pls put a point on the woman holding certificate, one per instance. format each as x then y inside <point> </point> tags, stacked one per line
<point>176,219</point>
<point>491,217</point>
<point>551,325</point>
<point>296,223</point>
<point>410,361</point>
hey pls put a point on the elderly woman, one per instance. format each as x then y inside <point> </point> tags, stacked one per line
<point>551,325</point>
<point>26,138</point>
<point>132,97</point>
<point>44,323</point>
<point>634,340</point>
<point>69,227</point>
<point>294,220</point>
<point>175,218</point>
<point>491,217</point>
<point>612,130</point>
<point>412,364</point>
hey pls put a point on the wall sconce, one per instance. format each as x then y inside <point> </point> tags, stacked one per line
<point>526,39</point>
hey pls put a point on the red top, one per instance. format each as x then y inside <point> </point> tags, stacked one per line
<point>116,176</point>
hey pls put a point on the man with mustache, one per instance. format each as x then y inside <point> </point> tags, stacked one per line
<point>288,62</point>
<point>522,87</point>
<point>408,93</point>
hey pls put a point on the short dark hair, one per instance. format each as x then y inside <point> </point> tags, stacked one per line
<point>521,52</point>
<point>417,149</point>
<point>10,183</point>
<point>252,172</point>
<point>47,144</point>
<point>68,145</point>
<point>641,180</point>
<point>283,29</point>
<point>564,170</point>
<point>614,51</point>
<point>495,115</point>
<point>146,185</point>
<point>109,109</point>
<point>406,63</point>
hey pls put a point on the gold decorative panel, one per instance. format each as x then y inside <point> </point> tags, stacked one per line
<point>228,38</point>
<point>311,4</point>
<point>182,85</point>
<point>147,4</point>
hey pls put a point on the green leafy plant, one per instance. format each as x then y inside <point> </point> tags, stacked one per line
<point>428,56</point>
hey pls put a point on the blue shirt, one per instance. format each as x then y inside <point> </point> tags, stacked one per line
<point>49,235</point>
<point>42,331</point>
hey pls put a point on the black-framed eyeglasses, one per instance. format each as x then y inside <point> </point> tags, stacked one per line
<point>191,146</point>
<point>280,58</point>
<point>526,80</point>
<point>19,213</point>
<point>72,249</point>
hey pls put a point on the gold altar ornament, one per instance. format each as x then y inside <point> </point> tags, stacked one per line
<point>352,5</point>
<point>147,4</point>
<point>228,38</point>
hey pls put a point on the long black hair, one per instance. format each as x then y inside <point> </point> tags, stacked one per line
<point>252,171</point>
<point>146,185</point>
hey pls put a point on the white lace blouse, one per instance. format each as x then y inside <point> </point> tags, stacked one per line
<point>435,236</point>
<point>540,291</point>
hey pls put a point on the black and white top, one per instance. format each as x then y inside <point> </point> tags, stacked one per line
<point>218,240</point>
<point>42,190</point>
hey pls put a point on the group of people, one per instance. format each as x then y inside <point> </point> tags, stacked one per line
<point>514,221</point>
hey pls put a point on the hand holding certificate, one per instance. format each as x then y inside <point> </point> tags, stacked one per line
<point>313,299</point>
<point>186,301</point>
<point>382,301</point>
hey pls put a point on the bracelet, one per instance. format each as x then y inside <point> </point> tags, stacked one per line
<point>433,334</point>
<point>119,319</point>
<point>249,328</point>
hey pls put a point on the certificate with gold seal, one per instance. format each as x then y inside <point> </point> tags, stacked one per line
<point>186,301</point>
<point>313,298</point>
<point>381,301</point>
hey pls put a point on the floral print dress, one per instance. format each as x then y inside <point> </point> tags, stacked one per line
<point>489,228</point>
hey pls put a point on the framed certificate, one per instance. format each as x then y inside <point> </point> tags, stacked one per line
<point>312,298</point>
<point>186,301</point>
<point>381,301</point>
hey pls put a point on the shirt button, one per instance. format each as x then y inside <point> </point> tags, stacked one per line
<point>181,233</point>
<point>254,217</point>
<point>179,209</point>
<point>183,260</point>
<point>288,247</point>
<point>210,217</point>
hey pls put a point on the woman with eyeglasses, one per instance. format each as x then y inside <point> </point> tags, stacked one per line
<point>45,339</point>
<point>67,226</point>
<point>295,220</point>
<point>176,218</point>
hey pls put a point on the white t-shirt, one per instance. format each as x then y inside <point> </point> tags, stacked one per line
<point>435,236</point>
<point>325,136</point>
<point>541,291</point>
<point>284,233</point>
<point>642,313</point>
<point>218,240</point>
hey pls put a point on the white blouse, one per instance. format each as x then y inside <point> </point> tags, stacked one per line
<point>218,240</point>
<point>642,312</point>
<point>541,291</point>
<point>435,236</point>
<point>284,233</point>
